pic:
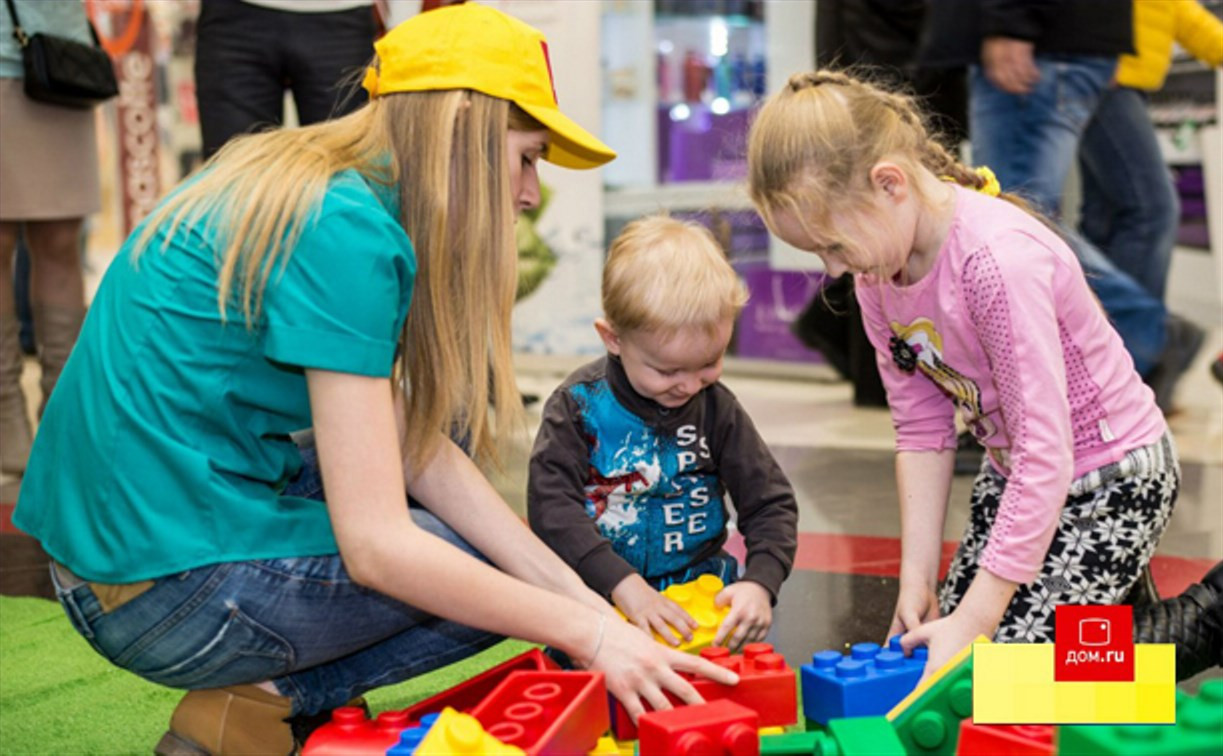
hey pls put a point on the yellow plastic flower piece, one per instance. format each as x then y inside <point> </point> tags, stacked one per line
<point>992,188</point>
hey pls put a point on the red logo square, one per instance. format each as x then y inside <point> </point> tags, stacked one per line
<point>1094,644</point>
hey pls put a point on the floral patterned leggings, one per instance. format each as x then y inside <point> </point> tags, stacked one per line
<point>1108,530</point>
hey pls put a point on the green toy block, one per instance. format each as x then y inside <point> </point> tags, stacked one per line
<point>791,743</point>
<point>928,723</point>
<point>1198,730</point>
<point>859,736</point>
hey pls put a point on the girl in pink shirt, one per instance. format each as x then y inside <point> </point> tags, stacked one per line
<point>974,306</point>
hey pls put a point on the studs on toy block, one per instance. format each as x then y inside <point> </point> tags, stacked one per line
<point>696,597</point>
<point>351,733</point>
<point>1198,730</point>
<point>766,686</point>
<point>928,719</point>
<point>547,712</point>
<point>461,734</point>
<point>410,739</point>
<point>712,729</point>
<point>867,682</point>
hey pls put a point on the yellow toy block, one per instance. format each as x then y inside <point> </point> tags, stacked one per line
<point>1014,684</point>
<point>605,747</point>
<point>772,731</point>
<point>458,733</point>
<point>696,598</point>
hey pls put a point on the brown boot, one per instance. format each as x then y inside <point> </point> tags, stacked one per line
<point>14,418</point>
<point>56,329</point>
<point>241,719</point>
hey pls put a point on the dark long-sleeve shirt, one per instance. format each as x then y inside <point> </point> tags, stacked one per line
<point>620,484</point>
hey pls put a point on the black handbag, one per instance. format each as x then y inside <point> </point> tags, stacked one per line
<point>62,71</point>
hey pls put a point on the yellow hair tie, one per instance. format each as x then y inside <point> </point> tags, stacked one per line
<point>370,82</point>
<point>991,188</point>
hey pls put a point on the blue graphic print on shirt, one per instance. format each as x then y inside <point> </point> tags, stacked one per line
<point>652,493</point>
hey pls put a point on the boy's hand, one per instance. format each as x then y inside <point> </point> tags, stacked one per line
<point>651,611</point>
<point>750,617</point>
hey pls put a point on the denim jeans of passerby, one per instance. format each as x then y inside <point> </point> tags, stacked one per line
<point>1140,319</point>
<point>248,55</point>
<point>1130,207</point>
<point>300,622</point>
<point>1030,141</point>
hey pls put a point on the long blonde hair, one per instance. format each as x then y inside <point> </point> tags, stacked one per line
<point>813,144</point>
<point>446,151</point>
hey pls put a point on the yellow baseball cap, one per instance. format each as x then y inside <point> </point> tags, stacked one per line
<point>471,46</point>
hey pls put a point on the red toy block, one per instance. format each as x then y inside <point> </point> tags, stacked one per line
<point>766,686</point>
<point>547,712</point>
<point>351,733</point>
<point>468,694</point>
<point>1005,740</point>
<point>721,728</point>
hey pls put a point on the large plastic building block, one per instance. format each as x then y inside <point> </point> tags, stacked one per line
<point>862,735</point>
<point>711,729</point>
<point>867,682</point>
<point>928,719</point>
<point>456,734</point>
<point>351,733</point>
<point>547,712</point>
<point>792,743</point>
<point>410,739</point>
<point>467,694</point>
<point>766,686</point>
<point>696,597</point>
<point>1198,730</point>
<point>1005,740</point>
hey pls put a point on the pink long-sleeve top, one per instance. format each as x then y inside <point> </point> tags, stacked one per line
<point>1005,329</point>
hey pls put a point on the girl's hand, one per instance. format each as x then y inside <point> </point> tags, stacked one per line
<point>638,670</point>
<point>651,611</point>
<point>943,638</point>
<point>916,605</point>
<point>750,616</point>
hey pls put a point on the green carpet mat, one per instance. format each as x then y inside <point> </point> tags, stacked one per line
<point>57,696</point>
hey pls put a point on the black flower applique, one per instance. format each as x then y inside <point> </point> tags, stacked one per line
<point>904,354</point>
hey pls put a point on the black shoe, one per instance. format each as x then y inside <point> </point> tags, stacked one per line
<point>968,454</point>
<point>1184,341</point>
<point>1216,368</point>
<point>1192,620</point>
<point>1143,592</point>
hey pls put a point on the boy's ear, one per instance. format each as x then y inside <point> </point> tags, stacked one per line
<point>889,178</point>
<point>608,334</point>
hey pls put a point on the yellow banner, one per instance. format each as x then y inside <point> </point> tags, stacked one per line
<point>1013,684</point>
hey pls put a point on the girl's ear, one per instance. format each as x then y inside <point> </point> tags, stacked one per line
<point>608,334</point>
<point>890,179</point>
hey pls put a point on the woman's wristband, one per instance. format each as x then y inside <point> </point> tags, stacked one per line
<point>598,639</point>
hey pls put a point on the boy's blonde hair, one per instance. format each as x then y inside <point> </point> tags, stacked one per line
<point>813,144</point>
<point>664,274</point>
<point>446,151</point>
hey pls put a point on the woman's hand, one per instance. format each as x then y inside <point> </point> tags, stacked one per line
<point>639,671</point>
<point>651,611</point>
<point>750,616</point>
<point>916,605</point>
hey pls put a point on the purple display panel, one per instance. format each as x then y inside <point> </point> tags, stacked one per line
<point>701,145</point>
<point>777,299</point>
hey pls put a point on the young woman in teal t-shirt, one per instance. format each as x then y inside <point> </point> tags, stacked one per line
<point>269,294</point>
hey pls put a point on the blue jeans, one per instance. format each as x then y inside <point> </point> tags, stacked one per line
<point>722,565</point>
<point>300,622</point>
<point>1030,142</point>
<point>1130,207</point>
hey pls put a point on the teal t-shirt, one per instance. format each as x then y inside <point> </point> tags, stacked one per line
<point>166,445</point>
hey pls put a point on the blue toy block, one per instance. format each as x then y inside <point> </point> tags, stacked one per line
<point>868,682</point>
<point>409,739</point>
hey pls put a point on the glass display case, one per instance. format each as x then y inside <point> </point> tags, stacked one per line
<point>682,82</point>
